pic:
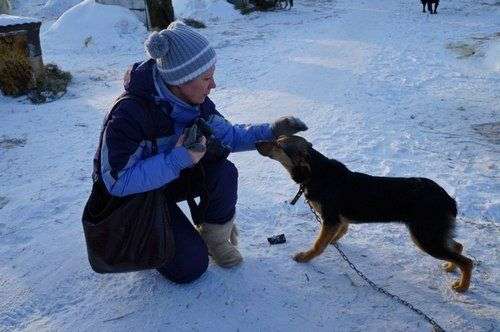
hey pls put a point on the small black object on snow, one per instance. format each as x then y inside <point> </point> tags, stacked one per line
<point>277,239</point>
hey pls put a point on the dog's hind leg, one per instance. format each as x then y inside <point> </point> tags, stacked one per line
<point>340,233</point>
<point>436,4</point>
<point>424,2</point>
<point>429,6</point>
<point>435,241</point>
<point>456,247</point>
<point>328,231</point>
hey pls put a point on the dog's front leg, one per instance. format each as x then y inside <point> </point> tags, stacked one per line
<point>326,235</point>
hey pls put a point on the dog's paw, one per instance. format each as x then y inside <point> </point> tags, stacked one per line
<point>459,287</point>
<point>301,257</point>
<point>448,267</point>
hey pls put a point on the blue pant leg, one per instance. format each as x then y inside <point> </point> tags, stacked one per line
<point>222,185</point>
<point>191,254</point>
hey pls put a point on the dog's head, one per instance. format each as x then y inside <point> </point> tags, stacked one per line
<point>292,152</point>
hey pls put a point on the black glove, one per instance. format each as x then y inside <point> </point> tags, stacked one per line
<point>204,128</point>
<point>193,138</point>
<point>287,125</point>
<point>216,150</point>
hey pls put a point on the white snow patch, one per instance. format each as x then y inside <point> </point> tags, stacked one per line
<point>95,26</point>
<point>492,59</point>
<point>55,8</point>
<point>205,10</point>
<point>6,20</point>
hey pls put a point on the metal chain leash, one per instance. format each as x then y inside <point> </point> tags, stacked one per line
<point>379,289</point>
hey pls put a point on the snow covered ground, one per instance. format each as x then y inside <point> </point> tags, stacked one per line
<point>384,88</point>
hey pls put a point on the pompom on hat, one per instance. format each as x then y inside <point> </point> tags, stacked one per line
<point>181,53</point>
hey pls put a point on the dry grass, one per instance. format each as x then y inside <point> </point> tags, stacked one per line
<point>17,77</point>
<point>194,23</point>
<point>15,69</point>
<point>51,86</point>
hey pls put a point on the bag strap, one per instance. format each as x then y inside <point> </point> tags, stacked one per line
<point>151,134</point>
<point>198,211</point>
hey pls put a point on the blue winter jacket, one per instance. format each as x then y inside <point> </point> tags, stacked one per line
<point>127,165</point>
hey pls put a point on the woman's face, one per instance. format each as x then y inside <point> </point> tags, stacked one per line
<point>194,92</point>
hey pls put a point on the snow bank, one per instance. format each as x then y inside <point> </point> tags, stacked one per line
<point>492,59</point>
<point>205,10</point>
<point>55,8</point>
<point>12,20</point>
<point>89,25</point>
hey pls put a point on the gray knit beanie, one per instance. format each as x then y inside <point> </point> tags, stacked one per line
<point>181,53</point>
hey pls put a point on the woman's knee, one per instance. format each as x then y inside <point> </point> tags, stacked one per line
<point>186,269</point>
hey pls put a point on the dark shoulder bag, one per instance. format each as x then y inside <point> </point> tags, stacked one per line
<point>127,233</point>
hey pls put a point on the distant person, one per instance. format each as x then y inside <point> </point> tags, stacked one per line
<point>175,84</point>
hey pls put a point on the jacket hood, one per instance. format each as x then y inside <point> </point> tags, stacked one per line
<point>139,81</point>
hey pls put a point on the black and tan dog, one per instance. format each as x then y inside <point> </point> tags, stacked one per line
<point>342,197</point>
<point>429,5</point>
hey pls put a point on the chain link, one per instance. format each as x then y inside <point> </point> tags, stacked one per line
<point>379,289</point>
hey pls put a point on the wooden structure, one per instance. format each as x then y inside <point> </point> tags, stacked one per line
<point>21,63</point>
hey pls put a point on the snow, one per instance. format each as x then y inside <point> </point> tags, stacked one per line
<point>205,10</point>
<point>55,8</point>
<point>6,20</point>
<point>493,57</point>
<point>102,28</point>
<point>380,91</point>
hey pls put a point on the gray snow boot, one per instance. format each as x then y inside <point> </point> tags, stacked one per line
<point>221,240</point>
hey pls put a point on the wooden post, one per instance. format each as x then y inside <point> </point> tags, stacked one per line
<point>160,13</point>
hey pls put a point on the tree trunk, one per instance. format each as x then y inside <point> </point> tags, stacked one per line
<point>161,13</point>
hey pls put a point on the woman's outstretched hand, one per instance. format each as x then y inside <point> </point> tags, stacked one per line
<point>287,125</point>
